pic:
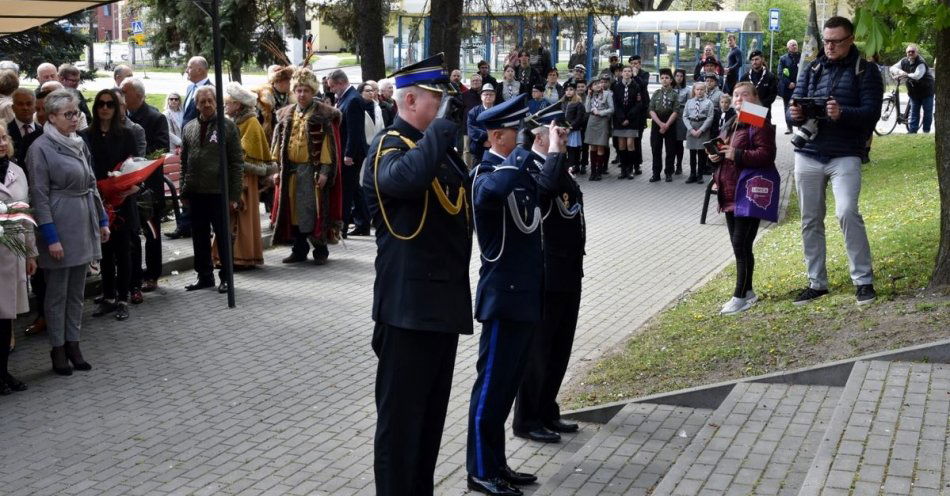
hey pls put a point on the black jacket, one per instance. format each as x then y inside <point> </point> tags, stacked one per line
<point>636,108</point>
<point>576,115</point>
<point>107,152</point>
<point>766,85</point>
<point>19,141</point>
<point>787,73</point>
<point>156,138</point>
<point>421,283</point>
<point>353,128</point>
<point>565,233</point>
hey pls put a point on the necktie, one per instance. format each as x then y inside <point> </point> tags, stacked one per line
<point>27,130</point>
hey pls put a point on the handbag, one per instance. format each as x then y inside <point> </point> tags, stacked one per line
<point>757,192</point>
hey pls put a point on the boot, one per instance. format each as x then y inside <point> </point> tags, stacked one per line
<point>60,365</point>
<point>595,161</point>
<point>75,356</point>
<point>624,165</point>
<point>692,175</point>
<point>632,168</point>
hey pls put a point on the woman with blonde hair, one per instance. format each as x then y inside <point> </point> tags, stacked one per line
<point>173,113</point>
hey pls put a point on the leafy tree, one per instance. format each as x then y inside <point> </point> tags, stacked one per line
<point>245,25</point>
<point>794,20</point>
<point>883,24</point>
<point>47,43</point>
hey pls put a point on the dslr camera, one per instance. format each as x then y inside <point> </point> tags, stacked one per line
<point>814,108</point>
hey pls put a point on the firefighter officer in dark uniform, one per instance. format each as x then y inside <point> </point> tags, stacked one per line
<point>422,297</point>
<point>537,415</point>
<point>508,298</point>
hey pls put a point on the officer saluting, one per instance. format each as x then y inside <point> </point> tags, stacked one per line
<point>508,299</point>
<point>421,298</point>
<point>537,416</point>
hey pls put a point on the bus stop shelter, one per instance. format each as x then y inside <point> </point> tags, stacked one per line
<point>20,15</point>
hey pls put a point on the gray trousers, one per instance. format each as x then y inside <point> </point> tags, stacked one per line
<point>63,303</point>
<point>811,181</point>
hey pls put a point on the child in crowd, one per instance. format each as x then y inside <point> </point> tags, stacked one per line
<point>698,117</point>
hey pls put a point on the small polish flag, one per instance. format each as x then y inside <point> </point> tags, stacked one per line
<point>753,114</point>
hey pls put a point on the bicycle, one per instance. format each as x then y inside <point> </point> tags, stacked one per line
<point>891,115</point>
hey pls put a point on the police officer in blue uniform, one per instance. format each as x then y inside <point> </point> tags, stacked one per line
<point>507,218</point>
<point>422,296</point>
<point>537,416</point>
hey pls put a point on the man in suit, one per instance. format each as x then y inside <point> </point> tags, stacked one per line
<point>508,298</point>
<point>156,138</point>
<point>197,73</point>
<point>353,144</point>
<point>24,104</point>
<point>477,134</point>
<point>422,298</point>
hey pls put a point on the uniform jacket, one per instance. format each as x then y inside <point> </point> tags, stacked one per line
<point>858,91</point>
<point>635,110</point>
<point>755,148</point>
<point>421,283</point>
<point>698,114</point>
<point>528,77</point>
<point>575,115</point>
<point>787,73</point>
<point>565,233</point>
<point>324,124</point>
<point>766,85</point>
<point>510,283</point>
<point>14,298</point>
<point>199,159</point>
<point>352,127</point>
<point>477,134</point>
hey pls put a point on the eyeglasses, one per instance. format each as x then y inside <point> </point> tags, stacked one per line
<point>828,42</point>
<point>106,103</point>
<point>174,99</point>
<point>71,114</point>
<point>911,52</point>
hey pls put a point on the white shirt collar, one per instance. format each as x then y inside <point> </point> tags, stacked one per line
<point>20,124</point>
<point>493,152</point>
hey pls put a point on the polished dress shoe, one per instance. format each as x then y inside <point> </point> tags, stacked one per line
<point>497,486</point>
<point>60,364</point>
<point>149,285</point>
<point>121,311</point>
<point>294,258</point>
<point>561,426</point>
<point>223,287</point>
<point>200,284</point>
<point>655,179</point>
<point>104,307</point>
<point>75,356</point>
<point>37,327</point>
<point>540,434</point>
<point>517,478</point>
<point>12,383</point>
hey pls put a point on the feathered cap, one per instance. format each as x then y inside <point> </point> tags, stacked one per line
<point>238,93</point>
<point>277,73</point>
<point>306,77</point>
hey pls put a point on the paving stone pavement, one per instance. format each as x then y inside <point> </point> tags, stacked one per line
<point>276,396</point>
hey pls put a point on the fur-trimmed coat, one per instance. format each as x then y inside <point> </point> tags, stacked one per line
<point>323,124</point>
<point>267,108</point>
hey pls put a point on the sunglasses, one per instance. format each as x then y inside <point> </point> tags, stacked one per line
<point>105,103</point>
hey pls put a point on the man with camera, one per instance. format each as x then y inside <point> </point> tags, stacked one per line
<point>835,103</point>
<point>920,87</point>
<point>415,187</point>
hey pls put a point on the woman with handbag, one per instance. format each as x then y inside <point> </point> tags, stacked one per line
<point>744,147</point>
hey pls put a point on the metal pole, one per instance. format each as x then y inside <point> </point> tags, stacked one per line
<point>771,47</point>
<point>224,247</point>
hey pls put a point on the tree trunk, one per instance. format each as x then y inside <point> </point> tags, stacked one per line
<point>446,35</point>
<point>941,274</point>
<point>370,37</point>
<point>93,38</point>
<point>234,69</point>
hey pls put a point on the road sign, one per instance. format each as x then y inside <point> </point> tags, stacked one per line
<point>139,39</point>
<point>774,20</point>
<point>137,27</point>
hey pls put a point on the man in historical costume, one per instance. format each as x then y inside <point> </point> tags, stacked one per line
<point>273,96</point>
<point>422,298</point>
<point>508,299</point>
<point>537,415</point>
<point>308,206</point>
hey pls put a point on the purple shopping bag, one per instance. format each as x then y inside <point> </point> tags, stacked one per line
<point>757,194</point>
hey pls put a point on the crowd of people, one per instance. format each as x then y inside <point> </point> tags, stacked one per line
<point>426,161</point>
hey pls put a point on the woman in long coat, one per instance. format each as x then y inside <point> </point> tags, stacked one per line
<point>72,224</point>
<point>600,108</point>
<point>14,269</point>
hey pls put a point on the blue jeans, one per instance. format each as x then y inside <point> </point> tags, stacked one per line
<point>928,103</point>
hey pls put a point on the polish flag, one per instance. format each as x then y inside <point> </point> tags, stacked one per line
<point>753,114</point>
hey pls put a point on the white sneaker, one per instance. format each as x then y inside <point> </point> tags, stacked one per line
<point>751,297</point>
<point>735,305</point>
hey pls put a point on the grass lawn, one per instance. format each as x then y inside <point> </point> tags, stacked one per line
<point>689,344</point>
<point>156,100</point>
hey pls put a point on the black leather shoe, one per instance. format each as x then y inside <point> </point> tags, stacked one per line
<point>517,478</point>
<point>540,434</point>
<point>359,231</point>
<point>561,426</point>
<point>104,307</point>
<point>223,287</point>
<point>294,258</point>
<point>12,383</point>
<point>496,486</point>
<point>669,178</point>
<point>176,234</point>
<point>655,179</point>
<point>200,284</point>
<point>60,363</point>
<point>637,170</point>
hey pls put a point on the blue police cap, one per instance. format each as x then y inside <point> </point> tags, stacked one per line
<point>547,115</point>
<point>429,74</point>
<point>506,115</point>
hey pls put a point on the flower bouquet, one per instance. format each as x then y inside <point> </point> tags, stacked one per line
<point>15,219</point>
<point>131,172</point>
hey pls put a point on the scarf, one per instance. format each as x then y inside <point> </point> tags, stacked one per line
<point>73,143</point>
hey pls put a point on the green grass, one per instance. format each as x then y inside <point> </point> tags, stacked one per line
<point>156,100</point>
<point>690,344</point>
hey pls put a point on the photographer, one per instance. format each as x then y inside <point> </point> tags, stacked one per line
<point>920,87</point>
<point>830,146</point>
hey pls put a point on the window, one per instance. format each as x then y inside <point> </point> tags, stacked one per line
<point>107,10</point>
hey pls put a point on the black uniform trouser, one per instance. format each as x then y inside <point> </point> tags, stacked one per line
<point>116,264</point>
<point>355,210</point>
<point>413,381</point>
<point>206,214</point>
<point>548,356</point>
<point>659,141</point>
<point>502,352</point>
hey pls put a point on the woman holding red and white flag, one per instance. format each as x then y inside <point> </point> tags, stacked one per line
<point>747,142</point>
